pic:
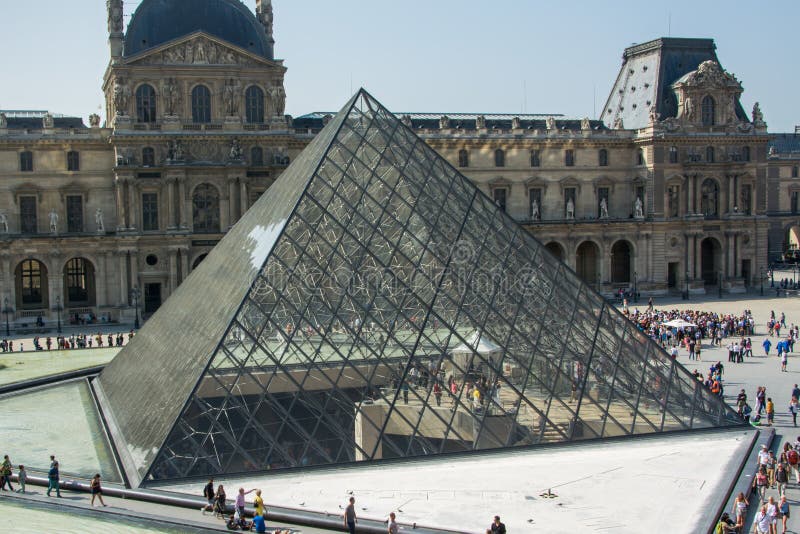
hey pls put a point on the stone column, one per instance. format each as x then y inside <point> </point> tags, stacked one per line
<point>9,283</point>
<point>109,277</point>
<point>121,186</point>
<point>728,195</point>
<point>695,208</point>
<point>123,277</point>
<point>100,281</point>
<point>173,270</point>
<point>231,205</point>
<point>697,257</point>
<point>171,225</point>
<point>183,212</point>
<point>727,258</point>
<point>737,265</point>
<point>243,197</point>
<point>736,192</point>
<point>55,284</point>
<point>689,196</point>
<point>184,263</point>
<point>133,216</point>
<point>135,269</point>
<point>649,269</point>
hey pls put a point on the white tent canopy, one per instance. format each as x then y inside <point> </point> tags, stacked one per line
<point>679,323</point>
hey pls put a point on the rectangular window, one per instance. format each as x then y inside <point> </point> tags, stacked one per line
<point>569,158</point>
<point>27,213</point>
<point>746,205</point>
<point>26,161</point>
<point>499,194</point>
<point>602,195</point>
<point>535,161</point>
<point>673,154</point>
<point>74,213</point>
<point>149,211</point>
<point>73,161</point>
<point>535,201</point>
<point>794,202</point>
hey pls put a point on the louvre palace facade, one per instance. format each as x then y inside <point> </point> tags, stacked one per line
<point>673,188</point>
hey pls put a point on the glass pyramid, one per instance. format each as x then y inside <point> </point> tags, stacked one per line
<point>374,304</point>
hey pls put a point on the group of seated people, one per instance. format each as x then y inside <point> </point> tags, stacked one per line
<point>258,524</point>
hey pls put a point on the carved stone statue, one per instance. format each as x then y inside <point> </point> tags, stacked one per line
<point>480,122</point>
<point>535,215</point>
<point>328,117</point>
<point>174,55</point>
<point>94,120</point>
<point>235,152</point>
<point>516,123</point>
<point>637,209</point>
<point>171,95</point>
<point>200,52</point>
<point>688,108</point>
<point>114,8</point>
<point>570,209</point>
<point>122,94</point>
<point>618,125</point>
<point>444,122</point>
<point>585,124</point>
<point>231,97</point>
<point>551,123</point>
<point>654,115</point>
<point>603,208</point>
<point>265,16</point>
<point>175,151</point>
<point>98,220</point>
<point>47,120</point>
<point>53,221</point>
<point>758,117</point>
<point>406,119</point>
<point>4,223</point>
<point>277,97</point>
<point>3,120</point>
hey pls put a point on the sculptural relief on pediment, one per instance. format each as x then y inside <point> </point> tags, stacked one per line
<point>198,51</point>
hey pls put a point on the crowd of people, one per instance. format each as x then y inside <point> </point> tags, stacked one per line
<point>74,341</point>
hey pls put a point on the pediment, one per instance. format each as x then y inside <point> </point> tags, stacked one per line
<point>199,48</point>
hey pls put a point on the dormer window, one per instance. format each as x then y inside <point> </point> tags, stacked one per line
<point>707,111</point>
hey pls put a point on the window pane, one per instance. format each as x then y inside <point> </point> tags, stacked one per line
<point>74,213</point>
<point>149,211</point>
<point>27,209</point>
<point>201,104</point>
<point>73,161</point>
<point>26,161</point>
<point>145,104</point>
<point>254,108</point>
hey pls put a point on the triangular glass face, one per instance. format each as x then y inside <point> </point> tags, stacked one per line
<point>401,313</point>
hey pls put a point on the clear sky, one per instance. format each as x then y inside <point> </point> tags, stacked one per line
<point>508,56</point>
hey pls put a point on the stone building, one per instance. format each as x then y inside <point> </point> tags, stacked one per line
<point>672,189</point>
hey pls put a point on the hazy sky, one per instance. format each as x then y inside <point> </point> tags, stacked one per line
<point>429,55</point>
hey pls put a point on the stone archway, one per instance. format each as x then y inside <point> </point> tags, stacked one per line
<point>710,260</point>
<point>587,262</point>
<point>79,283</point>
<point>791,247</point>
<point>621,261</point>
<point>555,249</point>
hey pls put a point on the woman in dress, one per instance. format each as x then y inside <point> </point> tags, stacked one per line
<point>219,502</point>
<point>740,508</point>
<point>97,491</point>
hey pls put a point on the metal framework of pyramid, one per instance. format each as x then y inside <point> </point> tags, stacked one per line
<point>354,311</point>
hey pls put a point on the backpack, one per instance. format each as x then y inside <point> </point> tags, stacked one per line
<point>720,529</point>
<point>793,457</point>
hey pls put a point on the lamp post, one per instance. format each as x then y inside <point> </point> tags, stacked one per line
<point>635,287</point>
<point>7,310</point>
<point>58,310</point>
<point>762,281</point>
<point>686,283</point>
<point>719,284</point>
<point>135,294</point>
<point>772,276</point>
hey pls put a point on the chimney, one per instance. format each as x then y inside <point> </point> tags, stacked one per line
<point>116,34</point>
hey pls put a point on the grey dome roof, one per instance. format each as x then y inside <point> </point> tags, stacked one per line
<point>156,22</point>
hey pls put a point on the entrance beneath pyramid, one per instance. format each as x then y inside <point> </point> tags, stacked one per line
<point>587,262</point>
<point>711,261</point>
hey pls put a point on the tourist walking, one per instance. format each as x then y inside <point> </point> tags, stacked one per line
<point>219,502</point>
<point>240,501</point>
<point>258,503</point>
<point>783,509</point>
<point>766,344</point>
<point>740,506</point>
<point>761,483</point>
<point>497,526</point>
<point>22,478</point>
<point>208,493</point>
<point>794,407</point>
<point>5,474</point>
<point>781,479</point>
<point>53,479</point>
<point>772,512</point>
<point>770,408</point>
<point>762,522</point>
<point>393,528</point>
<point>349,517</point>
<point>97,490</point>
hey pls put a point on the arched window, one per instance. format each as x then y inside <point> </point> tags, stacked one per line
<point>148,157</point>
<point>79,281</point>
<point>463,158</point>
<point>709,200</point>
<point>569,158</point>
<point>499,158</point>
<point>31,278</point>
<point>673,154</point>
<point>201,104</point>
<point>145,103</point>
<point>746,153</point>
<point>257,156</point>
<point>205,209</point>
<point>254,105</point>
<point>710,154</point>
<point>602,157</point>
<point>707,111</point>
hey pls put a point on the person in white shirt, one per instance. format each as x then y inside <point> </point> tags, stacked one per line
<point>762,521</point>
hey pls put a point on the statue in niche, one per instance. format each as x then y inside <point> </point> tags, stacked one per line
<point>175,151</point>
<point>98,220</point>
<point>535,215</point>
<point>480,122</point>
<point>603,208</point>
<point>4,223</point>
<point>235,152</point>
<point>172,96</point>
<point>122,94</point>
<point>551,123</point>
<point>688,108</point>
<point>277,97</point>
<point>570,209</point>
<point>638,211</point>
<point>94,120</point>
<point>231,97</point>
<point>53,221</point>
